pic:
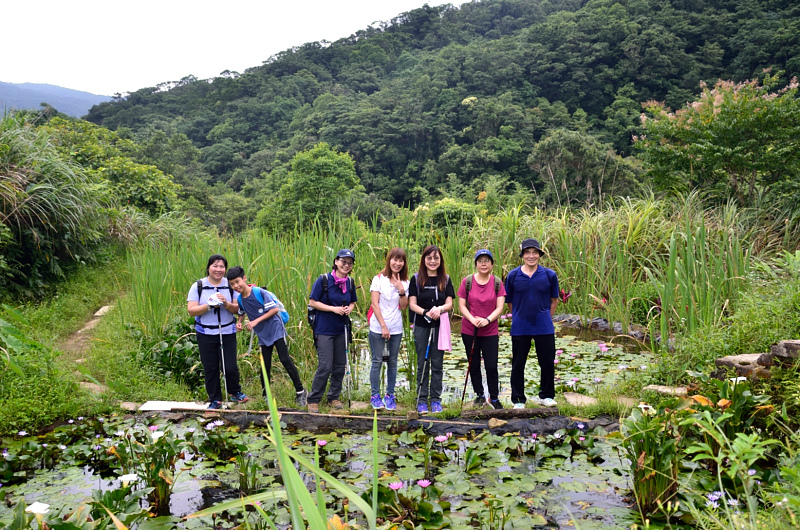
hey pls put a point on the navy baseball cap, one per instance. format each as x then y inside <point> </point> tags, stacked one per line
<point>483,252</point>
<point>346,253</point>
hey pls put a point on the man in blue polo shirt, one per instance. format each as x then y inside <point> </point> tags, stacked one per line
<point>532,296</point>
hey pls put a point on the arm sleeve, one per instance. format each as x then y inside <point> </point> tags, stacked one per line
<point>316,291</point>
<point>194,295</point>
<point>510,286</point>
<point>448,290</point>
<point>412,288</point>
<point>269,303</point>
<point>375,285</point>
<point>553,284</point>
<point>462,289</point>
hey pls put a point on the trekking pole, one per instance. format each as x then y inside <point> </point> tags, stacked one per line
<point>347,372</point>
<point>385,358</point>
<point>222,354</point>
<point>469,365</point>
<point>424,365</point>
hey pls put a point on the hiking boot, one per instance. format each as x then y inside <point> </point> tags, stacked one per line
<point>519,405</point>
<point>301,397</point>
<point>390,402</point>
<point>214,405</point>
<point>376,402</point>
<point>313,407</point>
<point>496,404</point>
<point>436,407</point>
<point>338,405</point>
<point>239,397</point>
<point>422,408</point>
<point>479,401</point>
<point>549,402</point>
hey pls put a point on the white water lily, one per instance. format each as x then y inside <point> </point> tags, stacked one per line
<point>38,508</point>
<point>646,409</point>
<point>735,380</point>
<point>156,435</point>
<point>126,479</point>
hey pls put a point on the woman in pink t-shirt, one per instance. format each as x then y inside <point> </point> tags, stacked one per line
<point>481,308</point>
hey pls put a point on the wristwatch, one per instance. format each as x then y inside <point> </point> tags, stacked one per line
<point>402,294</point>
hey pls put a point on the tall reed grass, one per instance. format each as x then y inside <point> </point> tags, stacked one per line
<point>696,259</point>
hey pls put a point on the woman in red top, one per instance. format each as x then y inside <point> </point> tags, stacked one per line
<point>481,307</point>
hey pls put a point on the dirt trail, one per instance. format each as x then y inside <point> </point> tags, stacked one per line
<point>76,345</point>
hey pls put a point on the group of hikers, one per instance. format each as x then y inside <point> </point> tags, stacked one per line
<point>220,301</point>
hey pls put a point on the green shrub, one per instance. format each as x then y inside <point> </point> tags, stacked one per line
<point>642,302</point>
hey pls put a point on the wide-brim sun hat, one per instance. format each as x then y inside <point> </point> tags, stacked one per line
<point>530,243</point>
<point>483,252</point>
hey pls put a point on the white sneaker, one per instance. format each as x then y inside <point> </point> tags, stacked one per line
<point>535,400</point>
<point>519,405</point>
<point>549,402</point>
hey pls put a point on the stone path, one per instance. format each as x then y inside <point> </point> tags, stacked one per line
<point>78,343</point>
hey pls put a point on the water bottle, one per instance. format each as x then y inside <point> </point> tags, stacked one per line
<point>386,351</point>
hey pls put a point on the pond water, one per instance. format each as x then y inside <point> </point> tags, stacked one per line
<point>572,477</point>
<point>586,362</point>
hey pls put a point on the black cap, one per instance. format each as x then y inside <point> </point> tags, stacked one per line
<point>530,243</point>
<point>346,253</point>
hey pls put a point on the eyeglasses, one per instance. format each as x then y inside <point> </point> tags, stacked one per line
<point>484,260</point>
<point>344,263</point>
<point>432,257</point>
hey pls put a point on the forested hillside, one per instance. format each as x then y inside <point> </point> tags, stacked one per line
<point>543,94</point>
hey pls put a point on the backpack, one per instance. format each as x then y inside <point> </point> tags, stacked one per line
<point>468,287</point>
<point>257,292</point>
<point>200,288</point>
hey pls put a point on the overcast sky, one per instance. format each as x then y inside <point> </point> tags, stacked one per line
<point>105,47</point>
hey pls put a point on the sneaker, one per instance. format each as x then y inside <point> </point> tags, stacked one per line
<point>436,407</point>
<point>239,397</point>
<point>549,402</point>
<point>338,405</point>
<point>390,402</point>
<point>214,405</point>
<point>535,400</point>
<point>479,401</point>
<point>519,405</point>
<point>313,407</point>
<point>422,408</point>
<point>496,404</point>
<point>301,397</point>
<point>376,402</point>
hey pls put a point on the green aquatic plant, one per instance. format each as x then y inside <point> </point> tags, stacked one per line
<point>247,468</point>
<point>653,446</point>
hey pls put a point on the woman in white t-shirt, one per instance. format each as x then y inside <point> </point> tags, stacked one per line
<point>389,292</point>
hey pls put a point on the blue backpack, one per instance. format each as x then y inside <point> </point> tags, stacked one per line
<point>281,308</point>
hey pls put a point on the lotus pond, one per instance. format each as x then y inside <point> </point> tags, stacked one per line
<point>571,476</point>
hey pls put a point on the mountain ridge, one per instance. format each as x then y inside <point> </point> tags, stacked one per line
<point>31,95</point>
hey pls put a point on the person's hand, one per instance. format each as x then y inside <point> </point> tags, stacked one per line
<point>249,326</point>
<point>396,283</point>
<point>385,332</point>
<point>346,310</point>
<point>435,313</point>
<point>481,322</point>
<point>239,326</point>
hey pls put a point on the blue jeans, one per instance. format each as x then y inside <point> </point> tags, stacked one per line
<point>376,345</point>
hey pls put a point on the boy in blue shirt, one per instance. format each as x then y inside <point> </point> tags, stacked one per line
<point>268,326</point>
<point>532,294</point>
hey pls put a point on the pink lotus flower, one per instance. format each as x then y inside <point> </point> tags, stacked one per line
<point>153,428</point>
<point>396,485</point>
<point>322,443</point>
<point>559,352</point>
<point>449,434</point>
<point>582,438</point>
<point>555,362</point>
<point>424,483</point>
<point>441,438</point>
<point>534,435</point>
<point>603,349</point>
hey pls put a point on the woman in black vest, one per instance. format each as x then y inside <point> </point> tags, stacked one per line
<point>211,303</point>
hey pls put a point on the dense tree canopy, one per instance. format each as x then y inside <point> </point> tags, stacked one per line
<point>441,96</point>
